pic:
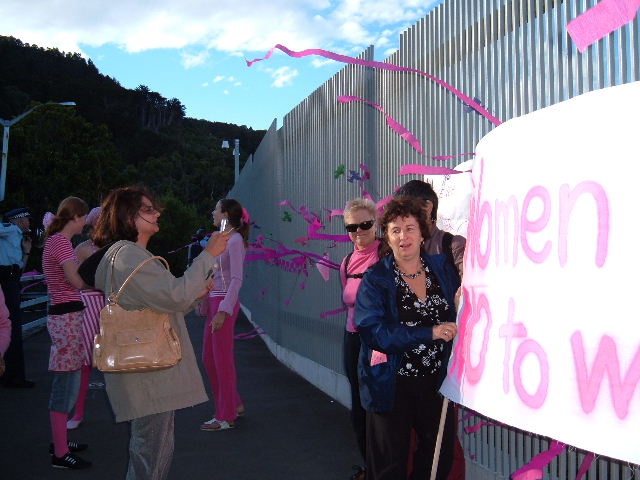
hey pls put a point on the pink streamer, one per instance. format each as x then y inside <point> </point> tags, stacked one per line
<point>382,66</point>
<point>533,469</point>
<point>333,312</point>
<point>586,463</point>
<point>415,169</point>
<point>449,157</point>
<point>600,20</point>
<point>393,124</point>
<point>479,425</point>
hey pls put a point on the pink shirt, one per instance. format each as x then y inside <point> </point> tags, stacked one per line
<point>359,262</point>
<point>228,278</point>
<point>5,325</point>
<point>58,250</point>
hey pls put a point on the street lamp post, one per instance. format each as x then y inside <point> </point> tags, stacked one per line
<point>236,157</point>
<point>7,124</point>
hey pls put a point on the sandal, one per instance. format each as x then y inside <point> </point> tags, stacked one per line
<point>215,424</point>
<point>241,412</point>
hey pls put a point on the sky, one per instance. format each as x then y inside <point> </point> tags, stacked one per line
<point>195,50</point>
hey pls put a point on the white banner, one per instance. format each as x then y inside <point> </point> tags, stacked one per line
<point>549,336</point>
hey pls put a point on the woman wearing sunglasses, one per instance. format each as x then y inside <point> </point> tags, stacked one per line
<point>360,221</point>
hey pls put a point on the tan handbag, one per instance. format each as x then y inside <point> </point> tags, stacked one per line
<point>134,340</point>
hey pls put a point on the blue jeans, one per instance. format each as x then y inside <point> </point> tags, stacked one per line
<point>64,391</point>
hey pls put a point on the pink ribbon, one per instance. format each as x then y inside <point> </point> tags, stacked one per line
<point>393,124</point>
<point>479,425</point>
<point>449,157</point>
<point>250,334</point>
<point>47,219</point>
<point>533,469</point>
<point>600,20</point>
<point>382,66</point>
<point>333,312</point>
<point>586,463</point>
<point>415,169</point>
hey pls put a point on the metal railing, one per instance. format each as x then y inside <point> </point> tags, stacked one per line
<point>31,300</point>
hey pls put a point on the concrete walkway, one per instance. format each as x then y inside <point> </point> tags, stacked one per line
<point>291,431</point>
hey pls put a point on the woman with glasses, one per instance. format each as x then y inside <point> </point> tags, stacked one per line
<point>224,306</point>
<point>128,219</point>
<point>360,221</point>
<point>405,313</point>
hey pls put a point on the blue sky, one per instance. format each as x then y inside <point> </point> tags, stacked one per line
<point>195,50</point>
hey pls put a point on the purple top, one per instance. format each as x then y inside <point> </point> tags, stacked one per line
<point>228,278</point>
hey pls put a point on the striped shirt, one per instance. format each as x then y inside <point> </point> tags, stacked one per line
<point>57,251</point>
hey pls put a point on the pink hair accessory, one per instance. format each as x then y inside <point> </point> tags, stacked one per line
<point>92,216</point>
<point>47,219</point>
<point>245,216</point>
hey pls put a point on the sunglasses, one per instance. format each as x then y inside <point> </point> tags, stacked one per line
<point>352,227</point>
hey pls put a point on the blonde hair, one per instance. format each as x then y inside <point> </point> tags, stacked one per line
<point>69,208</point>
<point>360,204</point>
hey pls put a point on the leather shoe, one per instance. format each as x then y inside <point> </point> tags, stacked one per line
<point>12,383</point>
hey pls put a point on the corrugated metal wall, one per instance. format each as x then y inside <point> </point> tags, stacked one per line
<point>513,56</point>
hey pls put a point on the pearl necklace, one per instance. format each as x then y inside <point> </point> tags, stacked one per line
<point>412,276</point>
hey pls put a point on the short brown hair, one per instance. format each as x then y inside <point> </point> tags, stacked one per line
<point>117,215</point>
<point>402,207</point>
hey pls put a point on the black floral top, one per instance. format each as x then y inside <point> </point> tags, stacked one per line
<point>423,360</point>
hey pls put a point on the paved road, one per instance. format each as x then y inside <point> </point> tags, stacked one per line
<point>291,430</point>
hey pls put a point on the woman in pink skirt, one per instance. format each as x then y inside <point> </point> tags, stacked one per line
<point>217,348</point>
<point>64,322</point>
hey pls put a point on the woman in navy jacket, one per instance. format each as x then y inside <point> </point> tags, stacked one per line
<point>405,314</point>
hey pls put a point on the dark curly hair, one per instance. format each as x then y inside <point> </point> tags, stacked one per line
<point>118,213</point>
<point>422,190</point>
<point>402,207</point>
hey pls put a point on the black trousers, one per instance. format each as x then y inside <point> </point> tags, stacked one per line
<point>14,356</point>
<point>358,414</point>
<point>417,406</point>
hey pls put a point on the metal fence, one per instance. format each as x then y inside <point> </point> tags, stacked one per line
<point>513,56</point>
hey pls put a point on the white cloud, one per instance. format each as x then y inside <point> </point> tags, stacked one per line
<point>236,28</point>
<point>190,61</point>
<point>205,84</point>
<point>283,76</point>
<point>237,84</point>
<point>226,92</point>
<point>218,78</point>
<point>321,63</point>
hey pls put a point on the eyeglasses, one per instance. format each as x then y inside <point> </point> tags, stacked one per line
<point>352,227</point>
<point>148,209</point>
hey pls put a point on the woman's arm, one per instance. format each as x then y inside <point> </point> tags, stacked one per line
<point>154,286</point>
<point>70,268</point>
<point>236,251</point>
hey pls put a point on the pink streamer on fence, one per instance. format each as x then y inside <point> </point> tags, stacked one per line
<point>415,169</point>
<point>382,66</point>
<point>393,124</point>
<point>449,157</point>
<point>479,425</point>
<point>333,312</point>
<point>533,469</point>
<point>600,20</point>
<point>586,463</point>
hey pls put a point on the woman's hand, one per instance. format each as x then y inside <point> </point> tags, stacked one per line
<point>445,331</point>
<point>218,321</point>
<point>206,290</point>
<point>217,243</point>
<point>457,297</point>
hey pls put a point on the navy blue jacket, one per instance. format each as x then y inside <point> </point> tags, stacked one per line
<point>376,316</point>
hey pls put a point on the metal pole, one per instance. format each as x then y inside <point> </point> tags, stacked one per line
<point>5,149</point>
<point>236,156</point>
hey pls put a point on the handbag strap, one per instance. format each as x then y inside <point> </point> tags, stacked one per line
<point>114,299</point>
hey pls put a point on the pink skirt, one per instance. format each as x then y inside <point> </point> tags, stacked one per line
<point>68,352</point>
<point>93,301</point>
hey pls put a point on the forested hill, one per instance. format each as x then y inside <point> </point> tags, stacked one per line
<point>114,136</point>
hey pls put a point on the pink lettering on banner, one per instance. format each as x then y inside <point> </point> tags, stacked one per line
<point>509,331</point>
<point>535,400</point>
<point>568,199</point>
<point>605,361</point>
<point>483,238</point>
<point>474,372</point>
<point>537,225</point>
<point>457,363</point>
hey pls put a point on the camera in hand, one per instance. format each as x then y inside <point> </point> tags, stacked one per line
<point>36,236</point>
